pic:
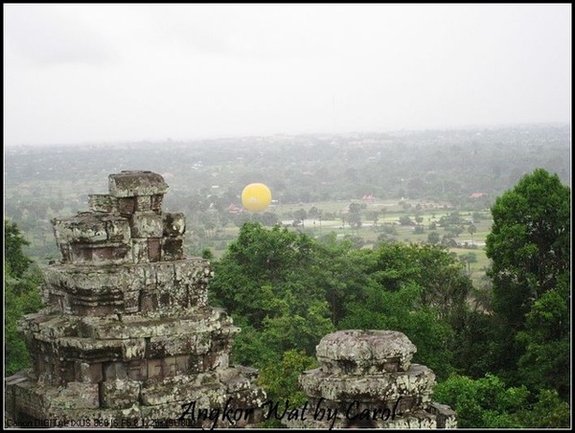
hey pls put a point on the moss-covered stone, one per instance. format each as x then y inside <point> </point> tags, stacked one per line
<point>366,379</point>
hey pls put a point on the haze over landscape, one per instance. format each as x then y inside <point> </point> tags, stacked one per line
<point>177,173</point>
<point>102,73</point>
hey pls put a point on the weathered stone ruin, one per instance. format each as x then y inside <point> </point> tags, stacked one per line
<point>127,337</point>
<point>366,379</point>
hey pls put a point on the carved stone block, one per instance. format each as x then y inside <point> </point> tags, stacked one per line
<point>115,370</point>
<point>132,301</point>
<point>157,202</point>
<point>174,224</point>
<point>136,183</point>
<point>365,352</point>
<point>133,348</point>
<point>120,394</point>
<point>143,203</point>
<point>148,301</point>
<point>138,370</point>
<point>102,203</point>
<point>118,230</point>
<point>172,249</point>
<point>140,250</point>
<point>146,225</point>
<point>90,373</point>
<point>155,369</point>
<point>126,205</point>
<point>154,250</point>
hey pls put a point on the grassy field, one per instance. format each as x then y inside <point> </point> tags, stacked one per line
<point>370,232</point>
<point>380,221</point>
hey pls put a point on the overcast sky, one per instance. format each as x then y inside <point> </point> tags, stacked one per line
<point>105,72</point>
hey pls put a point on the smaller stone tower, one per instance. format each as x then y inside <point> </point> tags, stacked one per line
<point>366,379</point>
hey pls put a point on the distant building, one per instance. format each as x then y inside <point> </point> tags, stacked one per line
<point>233,209</point>
<point>478,195</point>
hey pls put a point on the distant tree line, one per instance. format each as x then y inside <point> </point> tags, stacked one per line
<point>207,176</point>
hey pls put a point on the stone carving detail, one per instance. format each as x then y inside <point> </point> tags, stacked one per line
<point>367,378</point>
<point>127,335</point>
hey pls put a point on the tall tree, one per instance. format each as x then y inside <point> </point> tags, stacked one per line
<point>545,362</point>
<point>528,243</point>
<point>354,216</point>
<point>472,229</point>
<point>529,249</point>
<point>14,256</point>
<point>433,238</point>
<point>300,215</point>
<point>21,281</point>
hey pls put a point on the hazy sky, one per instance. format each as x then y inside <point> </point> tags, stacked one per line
<point>105,72</point>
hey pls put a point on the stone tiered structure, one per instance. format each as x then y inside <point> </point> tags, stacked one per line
<point>366,379</point>
<point>128,337</point>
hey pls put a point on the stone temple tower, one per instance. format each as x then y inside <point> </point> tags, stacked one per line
<point>366,379</point>
<point>127,338</point>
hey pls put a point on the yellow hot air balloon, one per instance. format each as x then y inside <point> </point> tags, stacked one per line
<point>256,197</point>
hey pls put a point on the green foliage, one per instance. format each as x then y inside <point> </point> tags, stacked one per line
<point>417,289</point>
<point>287,291</point>
<point>402,310</point>
<point>478,345</point>
<point>207,254</point>
<point>433,238</point>
<point>440,275</point>
<point>250,277</point>
<point>488,403</point>
<point>545,362</point>
<point>528,243</point>
<point>341,272</point>
<point>264,280</point>
<point>21,282</point>
<point>482,403</point>
<point>250,346</point>
<point>16,353</point>
<point>281,380</point>
<point>14,256</point>
<point>548,412</point>
<point>404,220</point>
<point>293,330</point>
<point>529,248</point>
<point>451,219</point>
